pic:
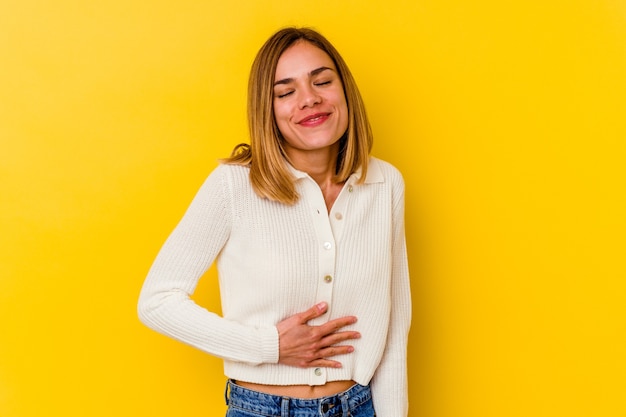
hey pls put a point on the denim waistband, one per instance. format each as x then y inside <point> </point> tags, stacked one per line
<point>276,405</point>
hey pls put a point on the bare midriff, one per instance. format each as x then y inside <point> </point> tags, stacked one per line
<point>300,391</point>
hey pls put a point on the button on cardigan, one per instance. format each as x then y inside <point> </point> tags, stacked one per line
<point>276,260</point>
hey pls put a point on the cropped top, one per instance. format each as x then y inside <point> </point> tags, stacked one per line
<point>275,260</point>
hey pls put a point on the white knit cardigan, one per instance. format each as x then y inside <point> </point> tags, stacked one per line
<point>275,260</point>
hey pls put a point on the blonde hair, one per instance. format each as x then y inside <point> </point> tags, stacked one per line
<point>269,175</point>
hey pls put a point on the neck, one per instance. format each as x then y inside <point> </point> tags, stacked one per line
<point>320,164</point>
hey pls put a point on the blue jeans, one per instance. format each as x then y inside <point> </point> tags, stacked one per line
<point>242,402</point>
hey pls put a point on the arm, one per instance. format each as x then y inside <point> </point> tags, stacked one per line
<point>165,304</point>
<point>389,384</point>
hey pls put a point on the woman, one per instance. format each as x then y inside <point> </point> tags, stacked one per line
<point>308,233</point>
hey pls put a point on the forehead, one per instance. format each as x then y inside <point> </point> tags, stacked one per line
<point>300,59</point>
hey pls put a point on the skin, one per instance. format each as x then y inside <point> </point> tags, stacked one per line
<point>308,346</point>
<point>312,115</point>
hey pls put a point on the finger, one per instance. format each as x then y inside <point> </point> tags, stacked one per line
<point>335,338</point>
<point>313,312</point>
<point>334,351</point>
<point>336,324</point>
<point>323,363</point>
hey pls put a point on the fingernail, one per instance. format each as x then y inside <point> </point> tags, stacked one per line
<point>321,305</point>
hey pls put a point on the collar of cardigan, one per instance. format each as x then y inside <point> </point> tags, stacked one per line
<point>374,173</point>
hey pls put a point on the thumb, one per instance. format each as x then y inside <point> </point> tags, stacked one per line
<point>314,312</point>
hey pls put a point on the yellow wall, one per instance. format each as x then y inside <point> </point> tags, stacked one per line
<point>507,119</point>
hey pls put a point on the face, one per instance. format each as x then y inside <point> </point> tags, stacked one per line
<point>309,103</point>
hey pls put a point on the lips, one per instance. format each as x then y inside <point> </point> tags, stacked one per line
<point>314,119</point>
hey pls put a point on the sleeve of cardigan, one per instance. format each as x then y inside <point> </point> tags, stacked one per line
<point>389,384</point>
<point>165,304</point>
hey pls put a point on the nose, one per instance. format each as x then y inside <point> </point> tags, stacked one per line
<point>309,97</point>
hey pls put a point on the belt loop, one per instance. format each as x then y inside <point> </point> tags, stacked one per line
<point>284,407</point>
<point>345,409</point>
<point>226,391</point>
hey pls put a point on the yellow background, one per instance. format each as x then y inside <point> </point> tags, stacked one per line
<point>508,120</point>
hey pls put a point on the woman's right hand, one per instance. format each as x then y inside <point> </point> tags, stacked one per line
<point>305,346</point>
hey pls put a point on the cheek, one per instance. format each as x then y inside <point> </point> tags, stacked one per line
<point>340,100</point>
<point>344,113</point>
<point>280,118</point>
<point>280,112</point>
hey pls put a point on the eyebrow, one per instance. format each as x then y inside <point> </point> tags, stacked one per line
<point>311,74</point>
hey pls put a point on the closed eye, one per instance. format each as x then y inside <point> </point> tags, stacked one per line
<point>317,84</point>
<point>284,94</point>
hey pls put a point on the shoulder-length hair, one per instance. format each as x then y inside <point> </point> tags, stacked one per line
<point>269,174</point>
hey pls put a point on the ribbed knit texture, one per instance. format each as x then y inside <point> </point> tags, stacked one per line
<point>272,262</point>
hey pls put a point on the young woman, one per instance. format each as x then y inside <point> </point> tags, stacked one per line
<point>308,234</point>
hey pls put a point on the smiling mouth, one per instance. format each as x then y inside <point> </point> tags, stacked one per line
<point>314,119</point>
